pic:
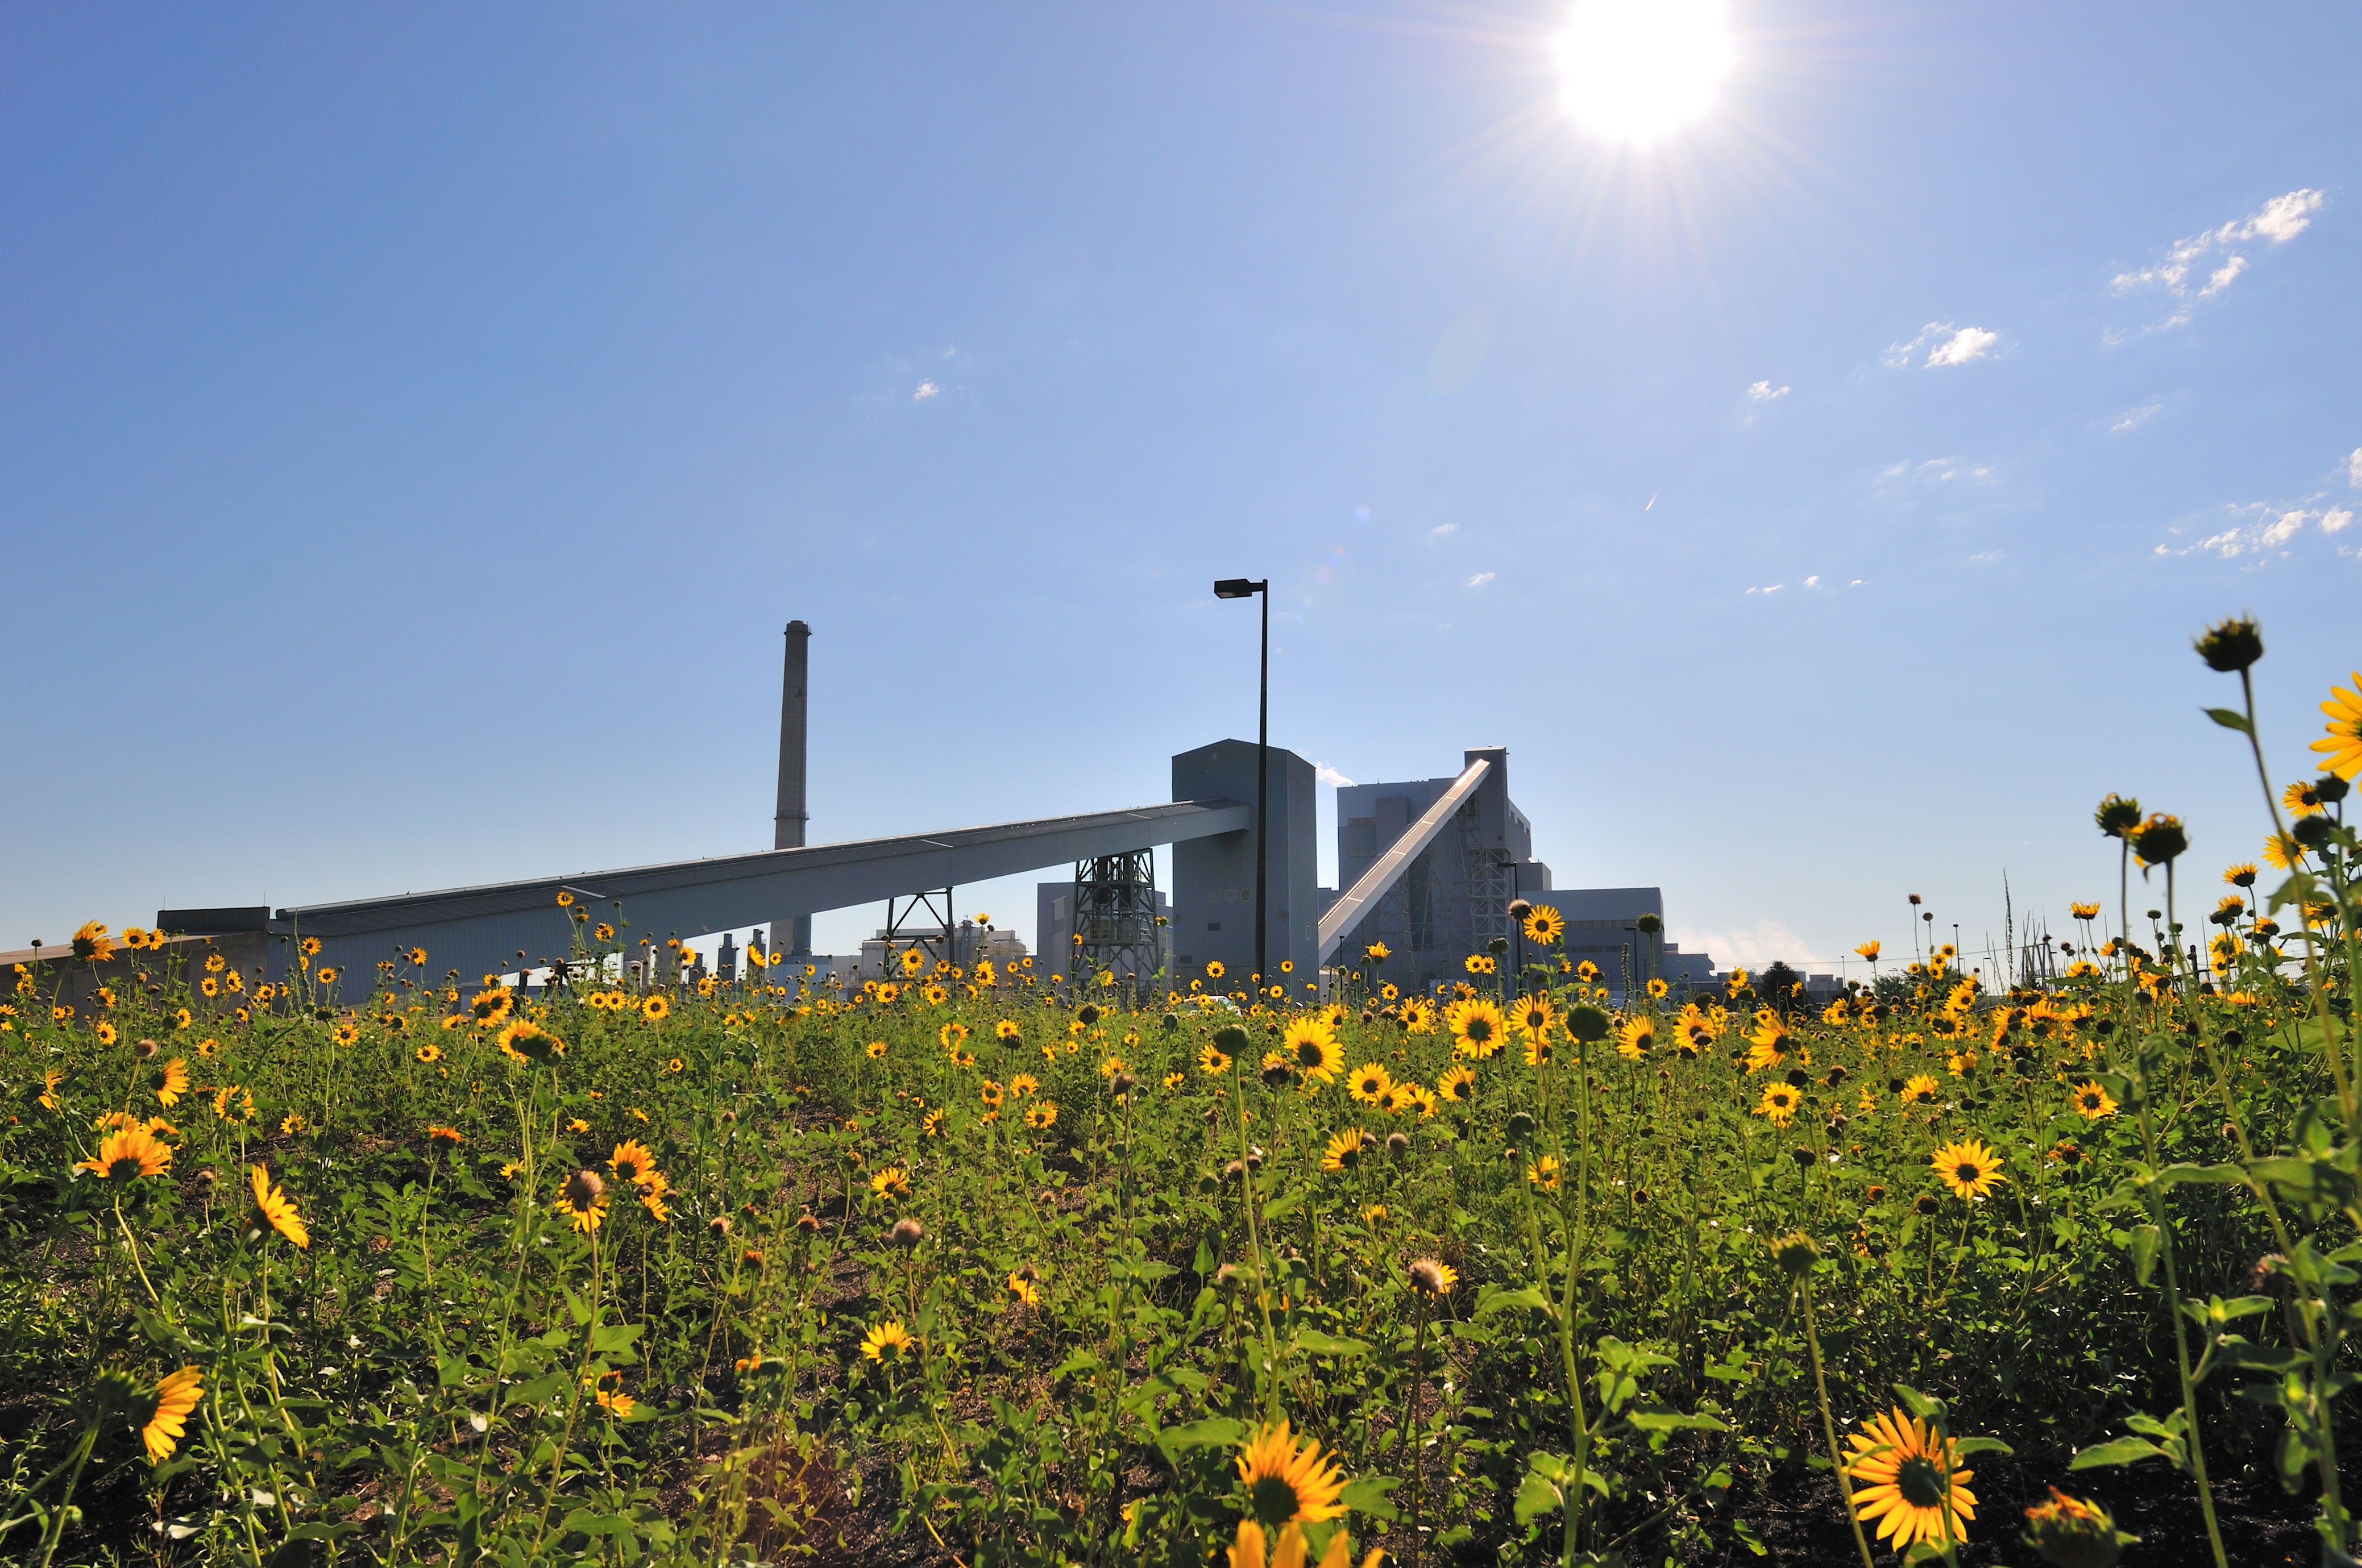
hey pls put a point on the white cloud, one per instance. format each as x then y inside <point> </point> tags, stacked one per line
<point>2135,418</point>
<point>1751,946</point>
<point>2354,468</point>
<point>1326,774</point>
<point>1479,580</point>
<point>1935,471</point>
<point>926,390</point>
<point>1969,342</point>
<point>2284,217</point>
<point>1443,528</point>
<point>2278,221</point>
<point>1764,391</point>
<point>1813,582</point>
<point>1946,345</point>
<point>2260,529</point>
<point>1773,589</point>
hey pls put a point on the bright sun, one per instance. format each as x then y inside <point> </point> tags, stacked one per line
<point>1633,71</point>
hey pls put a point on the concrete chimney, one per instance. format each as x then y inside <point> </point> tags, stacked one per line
<point>788,825</point>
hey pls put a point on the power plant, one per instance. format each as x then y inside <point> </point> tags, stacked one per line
<point>1427,868</point>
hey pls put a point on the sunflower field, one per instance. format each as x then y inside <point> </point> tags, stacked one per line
<point>986,1267</point>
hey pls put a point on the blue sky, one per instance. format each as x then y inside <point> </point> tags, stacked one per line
<point>416,423</point>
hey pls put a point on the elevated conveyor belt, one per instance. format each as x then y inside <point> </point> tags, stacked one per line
<point>1380,879</point>
<point>478,930</point>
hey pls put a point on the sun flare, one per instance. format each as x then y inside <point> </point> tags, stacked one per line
<point>1634,71</point>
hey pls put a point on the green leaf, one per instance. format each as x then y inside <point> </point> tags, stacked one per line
<point>1674,1420</point>
<point>1280,1208</point>
<point>1318,1344</point>
<point>2118,1450</point>
<point>1367,1495</point>
<point>1500,1300</point>
<point>2229,718</point>
<point>2145,1244</point>
<point>1215,1432</point>
<point>1536,1497</point>
<point>1983,1445</point>
<point>2172,1176</point>
<point>613,1337</point>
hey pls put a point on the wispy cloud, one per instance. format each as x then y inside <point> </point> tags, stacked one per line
<point>1752,946</point>
<point>1764,391</point>
<point>1946,345</point>
<point>926,390</point>
<point>1479,580</point>
<point>2205,264</point>
<point>1326,774</point>
<point>2354,468</point>
<point>1775,588</point>
<point>1935,471</point>
<point>2132,418</point>
<point>2258,529</point>
<point>1441,529</point>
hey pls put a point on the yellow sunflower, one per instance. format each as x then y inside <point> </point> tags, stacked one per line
<point>887,1339</point>
<point>1287,1482</point>
<point>128,1153</point>
<point>1311,1046</point>
<point>1459,1085</point>
<point>1636,1039</point>
<point>278,1208</point>
<point>1779,1103</point>
<point>1477,1027</point>
<point>1344,1151</point>
<point>2341,747</point>
<point>2091,1101</point>
<point>1370,1083</point>
<point>165,1423</point>
<point>1919,1089</point>
<point>1968,1167</point>
<point>631,1162</point>
<point>171,1082</point>
<point>584,1201</point>
<point>1908,1481</point>
<point>1212,1061</point>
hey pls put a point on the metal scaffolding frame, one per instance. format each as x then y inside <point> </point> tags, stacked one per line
<point>905,920</point>
<point>1115,915</point>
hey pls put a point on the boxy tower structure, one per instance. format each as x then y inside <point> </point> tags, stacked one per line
<point>1214,878</point>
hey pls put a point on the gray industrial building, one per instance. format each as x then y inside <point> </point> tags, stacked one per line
<point>1444,858</point>
<point>1429,868</point>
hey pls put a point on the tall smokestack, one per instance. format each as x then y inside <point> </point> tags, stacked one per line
<point>788,825</point>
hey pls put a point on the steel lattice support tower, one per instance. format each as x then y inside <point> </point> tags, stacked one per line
<point>1115,915</point>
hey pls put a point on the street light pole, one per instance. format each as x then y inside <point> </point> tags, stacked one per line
<point>1239,588</point>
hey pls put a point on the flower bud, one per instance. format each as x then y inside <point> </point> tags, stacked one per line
<point>2074,1532</point>
<point>1795,1254</point>
<point>2231,646</point>
<point>907,1234</point>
